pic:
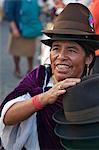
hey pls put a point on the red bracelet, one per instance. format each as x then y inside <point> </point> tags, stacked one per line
<point>36,102</point>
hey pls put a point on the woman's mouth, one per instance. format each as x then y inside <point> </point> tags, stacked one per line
<point>62,68</point>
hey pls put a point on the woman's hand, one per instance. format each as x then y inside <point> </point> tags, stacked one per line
<point>59,88</point>
<point>14,29</point>
<point>15,33</point>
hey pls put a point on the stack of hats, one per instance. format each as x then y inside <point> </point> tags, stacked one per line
<point>77,124</point>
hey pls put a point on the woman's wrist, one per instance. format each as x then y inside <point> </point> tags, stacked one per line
<point>36,102</point>
<point>39,101</point>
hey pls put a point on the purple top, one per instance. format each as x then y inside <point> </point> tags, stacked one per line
<point>33,83</point>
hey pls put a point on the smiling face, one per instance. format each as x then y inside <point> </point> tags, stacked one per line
<point>68,59</point>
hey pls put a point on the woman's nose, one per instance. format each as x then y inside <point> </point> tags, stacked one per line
<point>63,53</point>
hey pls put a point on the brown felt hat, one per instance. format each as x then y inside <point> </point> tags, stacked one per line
<point>80,103</point>
<point>75,23</point>
<point>79,118</point>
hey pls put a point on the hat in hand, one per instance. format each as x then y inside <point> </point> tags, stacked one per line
<point>79,118</point>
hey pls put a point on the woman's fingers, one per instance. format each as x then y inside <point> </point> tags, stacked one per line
<point>72,80</point>
<point>60,88</point>
<point>68,83</point>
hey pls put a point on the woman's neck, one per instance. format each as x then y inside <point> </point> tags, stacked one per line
<point>54,79</point>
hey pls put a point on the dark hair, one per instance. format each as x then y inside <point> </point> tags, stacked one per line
<point>88,50</point>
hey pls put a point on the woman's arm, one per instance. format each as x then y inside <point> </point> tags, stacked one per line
<point>22,110</point>
<point>14,29</point>
<point>10,10</point>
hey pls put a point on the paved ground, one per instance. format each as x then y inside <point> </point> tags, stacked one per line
<point>7,80</point>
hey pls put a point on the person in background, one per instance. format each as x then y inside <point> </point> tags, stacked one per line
<point>25,27</point>
<point>58,6</point>
<point>26,113</point>
<point>94,8</point>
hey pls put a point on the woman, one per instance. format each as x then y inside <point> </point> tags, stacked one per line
<point>39,94</point>
<point>25,26</point>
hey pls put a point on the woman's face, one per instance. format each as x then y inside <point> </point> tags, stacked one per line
<point>68,59</point>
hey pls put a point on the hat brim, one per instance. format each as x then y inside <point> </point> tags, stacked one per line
<point>59,118</point>
<point>80,131</point>
<point>89,144</point>
<point>93,42</point>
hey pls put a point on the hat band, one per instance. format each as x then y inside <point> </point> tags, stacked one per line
<point>83,115</point>
<point>73,25</point>
<point>63,36</point>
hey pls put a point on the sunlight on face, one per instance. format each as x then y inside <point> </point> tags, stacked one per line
<point>67,59</point>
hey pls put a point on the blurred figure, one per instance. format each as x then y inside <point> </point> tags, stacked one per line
<point>55,11</point>
<point>59,6</point>
<point>25,27</point>
<point>45,13</point>
<point>94,8</point>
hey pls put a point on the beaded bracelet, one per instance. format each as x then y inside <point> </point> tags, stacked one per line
<point>36,102</point>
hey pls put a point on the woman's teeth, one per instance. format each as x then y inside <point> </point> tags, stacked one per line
<point>63,66</point>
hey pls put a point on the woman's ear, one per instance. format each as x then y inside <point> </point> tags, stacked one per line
<point>89,59</point>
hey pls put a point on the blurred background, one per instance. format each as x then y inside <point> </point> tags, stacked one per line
<point>49,10</point>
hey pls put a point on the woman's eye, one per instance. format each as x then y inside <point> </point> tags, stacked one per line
<point>72,50</point>
<point>54,48</point>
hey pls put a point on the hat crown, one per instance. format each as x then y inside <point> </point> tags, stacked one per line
<point>75,17</point>
<point>74,9</point>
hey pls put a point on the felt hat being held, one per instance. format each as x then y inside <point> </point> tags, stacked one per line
<point>75,23</point>
<point>79,118</point>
